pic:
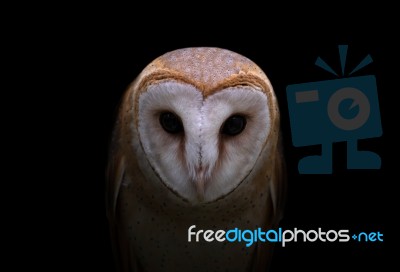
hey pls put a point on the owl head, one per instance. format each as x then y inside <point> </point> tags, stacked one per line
<point>201,120</point>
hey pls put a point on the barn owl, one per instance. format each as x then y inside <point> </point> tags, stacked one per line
<point>196,142</point>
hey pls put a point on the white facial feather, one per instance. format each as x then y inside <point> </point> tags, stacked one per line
<point>203,152</point>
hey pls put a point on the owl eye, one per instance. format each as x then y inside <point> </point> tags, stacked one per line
<point>234,125</point>
<point>170,122</point>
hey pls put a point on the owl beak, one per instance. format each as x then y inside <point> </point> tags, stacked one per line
<point>200,182</point>
<point>200,188</point>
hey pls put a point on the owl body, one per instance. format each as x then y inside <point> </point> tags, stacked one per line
<point>196,143</point>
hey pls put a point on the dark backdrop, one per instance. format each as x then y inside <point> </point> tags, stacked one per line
<point>114,52</point>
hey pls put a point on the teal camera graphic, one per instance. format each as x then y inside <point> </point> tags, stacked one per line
<point>343,109</point>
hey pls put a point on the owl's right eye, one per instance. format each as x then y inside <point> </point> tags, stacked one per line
<point>171,123</point>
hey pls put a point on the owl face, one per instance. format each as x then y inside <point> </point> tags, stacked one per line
<point>202,147</point>
<point>202,118</point>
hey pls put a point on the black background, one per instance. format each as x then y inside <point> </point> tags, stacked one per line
<point>114,51</point>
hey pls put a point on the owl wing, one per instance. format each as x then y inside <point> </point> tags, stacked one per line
<point>278,181</point>
<point>114,176</point>
<point>125,259</point>
<point>278,185</point>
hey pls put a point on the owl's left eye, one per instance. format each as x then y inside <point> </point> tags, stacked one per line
<point>170,122</point>
<point>234,125</point>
